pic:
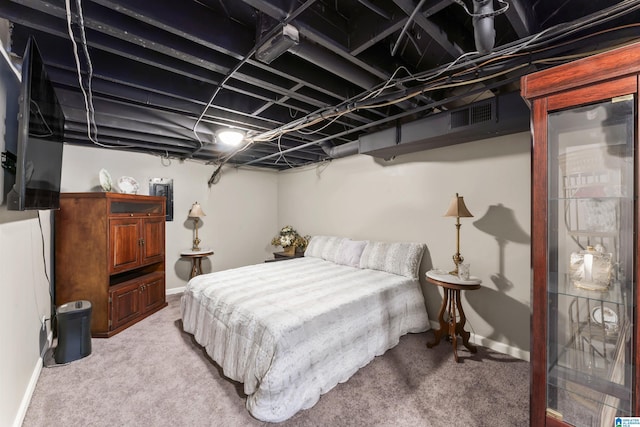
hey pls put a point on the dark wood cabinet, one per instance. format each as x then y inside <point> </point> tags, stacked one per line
<point>110,250</point>
<point>585,245</point>
<point>135,242</point>
<point>134,298</point>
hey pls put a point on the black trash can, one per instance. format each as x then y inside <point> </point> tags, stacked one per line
<point>74,331</point>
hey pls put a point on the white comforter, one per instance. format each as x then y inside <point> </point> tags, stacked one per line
<point>292,330</point>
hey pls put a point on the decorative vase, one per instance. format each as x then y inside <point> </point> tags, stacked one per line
<point>290,250</point>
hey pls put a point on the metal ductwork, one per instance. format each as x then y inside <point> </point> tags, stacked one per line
<point>502,115</point>
<point>278,44</point>
<point>483,25</point>
<point>344,150</point>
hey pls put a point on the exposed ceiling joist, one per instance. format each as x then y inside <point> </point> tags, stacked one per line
<point>155,67</point>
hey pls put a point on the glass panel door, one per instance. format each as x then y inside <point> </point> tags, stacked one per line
<point>591,262</point>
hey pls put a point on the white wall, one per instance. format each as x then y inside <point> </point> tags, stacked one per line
<point>25,301</point>
<point>405,199</point>
<point>240,209</point>
<point>241,218</point>
<point>358,197</point>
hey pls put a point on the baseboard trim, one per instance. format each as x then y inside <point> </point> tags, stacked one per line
<point>31,387</point>
<point>501,347</point>
<point>493,345</point>
<point>174,291</point>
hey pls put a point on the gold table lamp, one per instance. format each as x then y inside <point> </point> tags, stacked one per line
<point>458,210</point>
<point>196,213</point>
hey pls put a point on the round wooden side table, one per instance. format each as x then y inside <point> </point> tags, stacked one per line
<point>451,304</point>
<point>196,260</point>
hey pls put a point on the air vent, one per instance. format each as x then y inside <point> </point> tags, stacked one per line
<point>502,115</point>
<point>460,118</point>
<point>479,113</point>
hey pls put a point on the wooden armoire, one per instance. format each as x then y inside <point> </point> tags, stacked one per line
<point>110,250</point>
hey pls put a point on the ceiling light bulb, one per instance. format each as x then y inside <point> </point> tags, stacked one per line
<point>230,136</point>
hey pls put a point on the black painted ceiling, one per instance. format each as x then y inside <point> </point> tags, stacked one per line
<point>359,66</point>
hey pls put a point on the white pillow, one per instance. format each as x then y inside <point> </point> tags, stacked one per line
<point>325,247</point>
<point>330,249</point>
<point>350,251</point>
<point>314,247</point>
<point>397,258</point>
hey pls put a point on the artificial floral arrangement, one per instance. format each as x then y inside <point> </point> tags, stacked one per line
<point>289,238</point>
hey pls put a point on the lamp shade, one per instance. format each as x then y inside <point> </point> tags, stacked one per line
<point>457,208</point>
<point>196,211</point>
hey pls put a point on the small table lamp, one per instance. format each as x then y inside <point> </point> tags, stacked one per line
<point>196,213</point>
<point>457,209</point>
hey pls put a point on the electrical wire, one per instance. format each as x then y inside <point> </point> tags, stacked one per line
<point>36,108</point>
<point>88,99</point>
<point>463,67</point>
<point>78,70</point>
<point>165,157</point>
<point>246,58</point>
<point>215,176</point>
<point>505,7</point>
<point>510,52</point>
<point>282,156</point>
<point>46,275</point>
<point>551,35</point>
<point>85,48</point>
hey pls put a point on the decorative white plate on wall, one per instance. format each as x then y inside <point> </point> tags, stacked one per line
<point>105,180</point>
<point>128,185</point>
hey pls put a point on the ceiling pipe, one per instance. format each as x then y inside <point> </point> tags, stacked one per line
<point>483,28</point>
<point>345,150</point>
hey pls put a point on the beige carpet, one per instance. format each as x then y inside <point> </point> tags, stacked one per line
<point>154,374</point>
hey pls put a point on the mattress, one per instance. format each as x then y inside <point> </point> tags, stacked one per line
<point>292,330</point>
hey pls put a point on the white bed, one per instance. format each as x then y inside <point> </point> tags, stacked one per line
<point>291,330</point>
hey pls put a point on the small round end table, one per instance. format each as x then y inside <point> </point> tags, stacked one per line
<point>451,304</point>
<point>196,259</point>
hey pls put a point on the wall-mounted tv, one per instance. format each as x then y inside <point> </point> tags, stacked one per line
<point>40,138</point>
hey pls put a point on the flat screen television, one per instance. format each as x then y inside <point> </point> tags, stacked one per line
<point>40,138</point>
